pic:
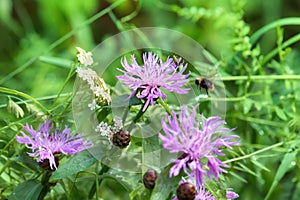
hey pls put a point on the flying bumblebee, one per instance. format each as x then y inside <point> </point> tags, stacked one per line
<point>205,84</point>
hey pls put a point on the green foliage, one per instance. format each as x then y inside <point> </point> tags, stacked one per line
<point>78,163</point>
<point>255,53</point>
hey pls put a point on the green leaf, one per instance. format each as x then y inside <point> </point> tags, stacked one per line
<point>246,169</point>
<point>133,101</point>
<point>28,190</point>
<point>247,105</point>
<point>134,193</point>
<point>258,105</point>
<point>59,62</point>
<point>239,177</point>
<point>121,101</point>
<point>77,193</point>
<point>103,113</point>
<point>284,167</point>
<point>78,163</point>
<point>260,165</point>
<point>280,113</point>
<point>165,185</point>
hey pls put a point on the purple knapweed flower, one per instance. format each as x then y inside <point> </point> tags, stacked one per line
<point>203,194</point>
<point>46,142</point>
<point>153,76</point>
<point>198,146</point>
<point>230,194</point>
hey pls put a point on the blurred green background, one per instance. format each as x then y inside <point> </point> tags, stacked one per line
<point>264,112</point>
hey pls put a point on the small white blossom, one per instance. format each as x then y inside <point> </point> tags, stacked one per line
<point>105,130</point>
<point>93,105</point>
<point>109,130</point>
<point>97,85</point>
<point>85,58</point>
<point>118,123</point>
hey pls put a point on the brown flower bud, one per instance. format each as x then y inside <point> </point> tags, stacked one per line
<point>186,191</point>
<point>121,139</point>
<point>149,179</point>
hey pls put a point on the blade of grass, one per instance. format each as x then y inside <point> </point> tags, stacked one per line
<point>21,94</point>
<point>61,40</point>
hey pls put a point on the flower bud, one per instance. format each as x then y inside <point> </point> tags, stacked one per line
<point>121,139</point>
<point>186,191</point>
<point>149,179</point>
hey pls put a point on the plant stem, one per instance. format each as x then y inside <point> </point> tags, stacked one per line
<point>21,94</point>
<point>254,153</point>
<point>39,99</point>
<point>45,182</point>
<point>104,169</point>
<point>261,77</point>
<point>164,105</point>
<point>137,117</point>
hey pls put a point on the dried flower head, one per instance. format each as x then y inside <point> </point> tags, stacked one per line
<point>148,80</point>
<point>46,142</point>
<point>97,85</point>
<point>85,58</point>
<point>199,146</point>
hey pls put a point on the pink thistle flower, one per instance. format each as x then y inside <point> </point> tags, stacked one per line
<point>153,76</point>
<point>199,146</point>
<point>46,143</point>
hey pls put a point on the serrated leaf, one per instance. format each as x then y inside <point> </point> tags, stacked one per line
<point>28,190</point>
<point>284,167</point>
<point>280,113</point>
<point>78,163</point>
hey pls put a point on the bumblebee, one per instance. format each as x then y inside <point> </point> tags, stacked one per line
<point>205,84</point>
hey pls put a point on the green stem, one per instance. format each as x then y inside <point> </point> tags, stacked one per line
<point>164,105</point>
<point>39,99</point>
<point>21,94</point>
<point>137,117</point>
<point>261,121</point>
<point>71,73</point>
<point>261,77</point>
<point>286,44</point>
<point>45,183</point>
<point>61,40</point>
<point>104,169</point>
<point>254,153</point>
<point>274,24</point>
